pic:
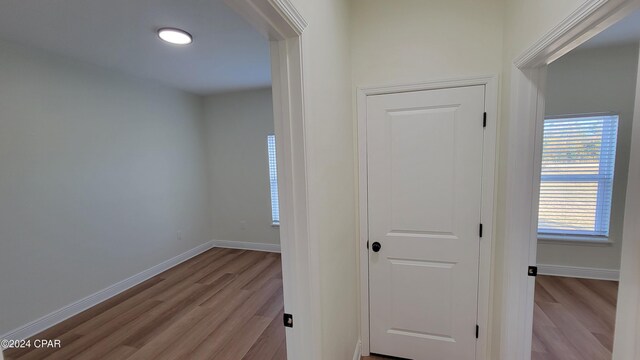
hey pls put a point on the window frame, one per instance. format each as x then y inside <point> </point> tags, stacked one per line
<point>566,236</point>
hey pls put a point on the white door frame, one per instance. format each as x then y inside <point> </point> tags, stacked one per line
<point>283,25</point>
<point>488,193</point>
<point>526,110</point>
<point>629,293</point>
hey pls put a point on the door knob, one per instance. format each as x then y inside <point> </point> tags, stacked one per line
<point>376,246</point>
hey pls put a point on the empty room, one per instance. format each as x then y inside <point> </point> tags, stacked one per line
<point>320,179</point>
<point>139,203</point>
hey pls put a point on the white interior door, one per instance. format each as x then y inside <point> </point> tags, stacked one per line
<point>424,156</point>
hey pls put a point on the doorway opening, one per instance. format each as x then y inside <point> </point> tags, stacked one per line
<point>144,142</point>
<point>584,151</point>
<point>535,192</point>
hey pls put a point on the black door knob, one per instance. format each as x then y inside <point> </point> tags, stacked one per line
<point>376,246</point>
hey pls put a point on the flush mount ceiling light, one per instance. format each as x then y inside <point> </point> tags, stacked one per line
<point>175,36</point>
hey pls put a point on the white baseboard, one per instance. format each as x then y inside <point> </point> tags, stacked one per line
<point>579,272</point>
<point>79,306</point>
<point>357,354</point>
<point>247,245</point>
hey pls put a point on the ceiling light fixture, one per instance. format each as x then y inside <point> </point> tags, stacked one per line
<point>175,36</point>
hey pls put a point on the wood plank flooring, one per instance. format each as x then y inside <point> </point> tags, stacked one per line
<point>227,304</point>
<point>573,319</point>
<point>224,304</point>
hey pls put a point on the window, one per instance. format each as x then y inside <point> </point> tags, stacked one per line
<point>273,180</point>
<point>578,157</point>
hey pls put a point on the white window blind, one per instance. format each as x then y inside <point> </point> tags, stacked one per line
<point>578,159</point>
<point>273,179</point>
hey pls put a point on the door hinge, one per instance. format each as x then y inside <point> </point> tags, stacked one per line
<point>480,230</point>
<point>288,320</point>
<point>484,119</point>
<point>477,331</point>
<point>533,271</point>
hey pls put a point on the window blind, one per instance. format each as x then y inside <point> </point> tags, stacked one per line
<point>273,179</point>
<point>578,160</point>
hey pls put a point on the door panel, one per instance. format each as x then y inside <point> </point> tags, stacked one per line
<point>424,156</point>
<point>411,208</point>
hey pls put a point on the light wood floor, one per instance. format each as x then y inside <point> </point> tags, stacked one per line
<point>227,304</point>
<point>223,304</point>
<point>573,319</point>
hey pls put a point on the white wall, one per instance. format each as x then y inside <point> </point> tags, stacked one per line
<point>330,160</point>
<point>590,81</point>
<point>237,125</point>
<point>98,174</point>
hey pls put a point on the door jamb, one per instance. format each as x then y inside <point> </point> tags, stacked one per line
<point>283,25</point>
<point>629,295</point>
<point>525,113</point>
<point>485,283</point>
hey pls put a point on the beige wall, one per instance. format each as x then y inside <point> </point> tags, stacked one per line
<point>331,170</point>
<point>590,81</point>
<point>237,125</point>
<point>527,21</point>
<point>415,40</point>
<point>98,175</point>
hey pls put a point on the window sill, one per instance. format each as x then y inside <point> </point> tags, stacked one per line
<point>574,240</point>
<point>275,225</point>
